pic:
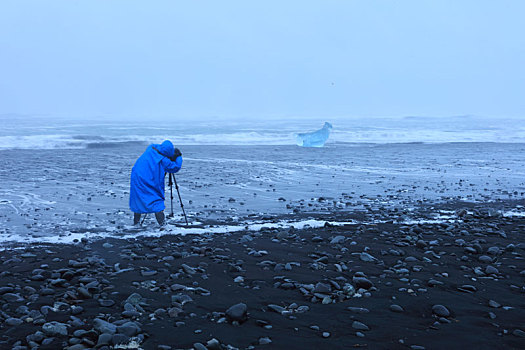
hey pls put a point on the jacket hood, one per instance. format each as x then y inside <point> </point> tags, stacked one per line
<point>166,149</point>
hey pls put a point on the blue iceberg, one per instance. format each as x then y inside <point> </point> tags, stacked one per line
<point>315,139</point>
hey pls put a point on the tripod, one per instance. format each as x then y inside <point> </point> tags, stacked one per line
<point>172,181</point>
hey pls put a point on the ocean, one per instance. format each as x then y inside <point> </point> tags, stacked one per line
<point>43,132</point>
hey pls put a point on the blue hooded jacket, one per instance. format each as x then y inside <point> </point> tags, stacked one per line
<point>146,193</point>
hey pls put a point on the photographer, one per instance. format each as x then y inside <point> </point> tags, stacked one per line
<point>147,180</point>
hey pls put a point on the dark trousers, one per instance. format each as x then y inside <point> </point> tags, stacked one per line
<point>159,216</point>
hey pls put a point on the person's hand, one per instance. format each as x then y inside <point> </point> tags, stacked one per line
<point>176,154</point>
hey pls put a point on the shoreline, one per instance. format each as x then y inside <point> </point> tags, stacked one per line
<point>374,286</point>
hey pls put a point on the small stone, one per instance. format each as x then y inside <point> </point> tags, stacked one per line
<point>188,269</point>
<point>54,328</point>
<point>104,339</point>
<point>106,302</point>
<point>396,308</point>
<point>494,304</point>
<point>337,240</point>
<point>366,257</point>
<point>264,340</point>
<point>467,288</point>
<point>11,321</point>
<point>326,334</point>
<point>199,346</point>
<point>129,328</point>
<point>519,333</point>
<point>102,326</point>
<point>485,259</point>
<point>491,270</point>
<point>440,310</point>
<point>360,326</point>
<point>362,282</point>
<point>237,312</point>
<point>322,288</point>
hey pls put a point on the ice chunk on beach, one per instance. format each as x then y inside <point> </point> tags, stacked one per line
<point>315,139</point>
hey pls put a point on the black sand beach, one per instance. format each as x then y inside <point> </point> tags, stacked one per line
<point>443,270</point>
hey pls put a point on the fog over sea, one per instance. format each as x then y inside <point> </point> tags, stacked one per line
<point>44,132</point>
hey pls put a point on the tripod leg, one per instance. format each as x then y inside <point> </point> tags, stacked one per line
<point>171,192</point>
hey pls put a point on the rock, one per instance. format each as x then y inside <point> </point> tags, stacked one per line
<point>12,298</point>
<point>360,326</point>
<point>213,344</point>
<point>104,339</point>
<point>396,308</point>
<point>337,240</point>
<point>135,299</point>
<point>421,244</point>
<point>119,339</point>
<point>362,282</point>
<point>181,299</point>
<point>237,312</point>
<point>491,270</point>
<point>75,310</point>
<point>322,288</point>
<point>148,273</point>
<point>493,251</point>
<point>440,310</point>
<point>106,302</point>
<point>467,288</point>
<point>129,328</point>
<point>54,328</point>
<point>366,257</point>
<point>494,304</point>
<point>326,334</point>
<point>11,321</point>
<point>102,326</point>
<point>6,289</point>
<point>276,308</point>
<point>485,259</point>
<point>519,333</point>
<point>199,346</point>
<point>264,340</point>
<point>188,269</point>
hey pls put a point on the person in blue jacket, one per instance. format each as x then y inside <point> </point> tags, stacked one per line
<point>146,193</point>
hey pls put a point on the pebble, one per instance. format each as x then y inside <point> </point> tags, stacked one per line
<point>54,328</point>
<point>337,240</point>
<point>237,312</point>
<point>199,346</point>
<point>102,326</point>
<point>264,340</point>
<point>485,259</point>
<point>360,326</point>
<point>494,304</point>
<point>362,282</point>
<point>11,321</point>
<point>366,257</point>
<point>396,308</point>
<point>440,310</point>
<point>519,333</point>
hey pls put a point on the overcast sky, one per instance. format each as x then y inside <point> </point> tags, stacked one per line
<point>200,58</point>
